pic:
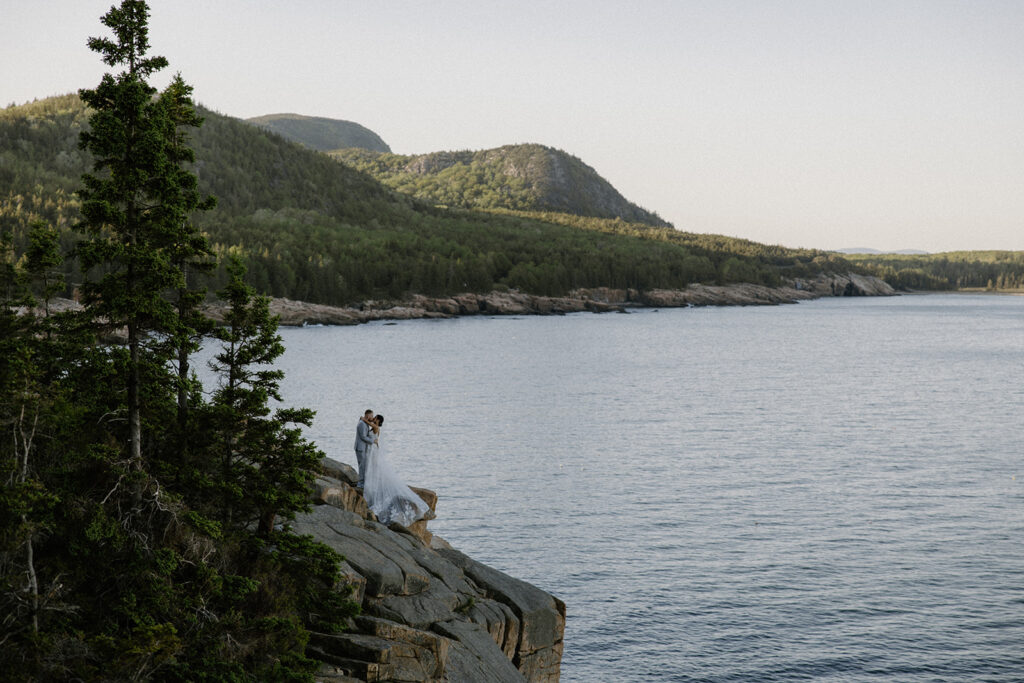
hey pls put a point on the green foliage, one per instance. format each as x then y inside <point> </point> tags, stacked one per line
<point>114,562</point>
<point>312,229</point>
<point>265,464</point>
<point>516,177</point>
<point>950,270</point>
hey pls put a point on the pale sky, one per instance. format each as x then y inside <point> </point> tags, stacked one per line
<point>829,124</point>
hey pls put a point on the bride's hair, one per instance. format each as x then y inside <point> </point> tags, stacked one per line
<point>380,420</point>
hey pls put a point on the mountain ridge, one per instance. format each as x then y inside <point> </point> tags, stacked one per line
<point>321,133</point>
<point>310,228</point>
<point>873,251</point>
<point>522,177</point>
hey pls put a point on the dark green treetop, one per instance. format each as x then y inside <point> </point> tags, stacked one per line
<point>136,205</point>
<point>266,463</point>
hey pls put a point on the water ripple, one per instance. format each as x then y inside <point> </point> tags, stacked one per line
<point>831,491</point>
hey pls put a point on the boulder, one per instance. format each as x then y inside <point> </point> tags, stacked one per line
<point>499,621</point>
<point>339,470</point>
<point>405,656</point>
<point>429,612</point>
<point>329,491</point>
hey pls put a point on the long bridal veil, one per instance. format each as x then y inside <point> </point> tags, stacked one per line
<point>387,495</point>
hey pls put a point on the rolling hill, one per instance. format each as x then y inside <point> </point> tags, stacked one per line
<point>517,177</point>
<point>320,133</point>
<point>313,229</point>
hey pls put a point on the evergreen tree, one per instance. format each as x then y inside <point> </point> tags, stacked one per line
<point>112,567</point>
<point>192,254</point>
<point>265,464</point>
<point>30,388</point>
<point>136,203</point>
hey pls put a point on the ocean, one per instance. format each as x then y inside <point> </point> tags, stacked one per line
<point>827,491</point>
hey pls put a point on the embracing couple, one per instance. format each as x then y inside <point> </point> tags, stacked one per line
<point>386,494</point>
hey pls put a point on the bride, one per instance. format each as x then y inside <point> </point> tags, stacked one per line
<point>385,492</point>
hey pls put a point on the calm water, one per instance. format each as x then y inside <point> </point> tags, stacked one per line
<point>829,491</point>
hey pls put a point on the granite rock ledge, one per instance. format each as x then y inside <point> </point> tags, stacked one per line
<point>595,300</point>
<point>429,612</point>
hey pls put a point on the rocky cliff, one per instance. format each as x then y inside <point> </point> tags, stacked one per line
<point>429,612</point>
<point>598,300</point>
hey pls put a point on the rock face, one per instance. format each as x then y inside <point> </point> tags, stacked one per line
<point>429,612</point>
<point>850,284</point>
<point>597,300</point>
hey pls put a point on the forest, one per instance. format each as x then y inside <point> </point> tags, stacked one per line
<point>310,228</point>
<point>527,177</point>
<point>953,270</point>
<point>144,518</point>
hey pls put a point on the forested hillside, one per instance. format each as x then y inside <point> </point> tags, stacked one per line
<point>948,270</point>
<point>516,177</point>
<point>311,228</point>
<point>321,133</point>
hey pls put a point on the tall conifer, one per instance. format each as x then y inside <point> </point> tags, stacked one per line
<point>136,204</point>
<point>266,464</point>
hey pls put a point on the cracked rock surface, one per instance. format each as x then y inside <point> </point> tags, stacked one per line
<point>429,612</point>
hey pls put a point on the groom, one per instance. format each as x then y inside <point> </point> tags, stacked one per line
<point>364,439</point>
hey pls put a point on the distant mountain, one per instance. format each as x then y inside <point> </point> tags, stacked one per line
<point>857,250</point>
<point>313,229</point>
<point>869,250</point>
<point>321,133</point>
<point>527,177</point>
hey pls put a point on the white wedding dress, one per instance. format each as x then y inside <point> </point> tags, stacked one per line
<point>387,495</point>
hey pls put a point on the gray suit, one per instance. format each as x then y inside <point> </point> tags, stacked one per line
<point>364,439</point>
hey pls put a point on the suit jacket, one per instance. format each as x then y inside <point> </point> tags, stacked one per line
<point>364,437</point>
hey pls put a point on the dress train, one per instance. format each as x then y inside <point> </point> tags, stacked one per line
<point>387,495</point>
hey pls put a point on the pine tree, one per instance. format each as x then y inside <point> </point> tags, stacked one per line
<point>136,204</point>
<point>265,464</point>
<point>192,254</point>
<point>30,387</point>
<point>112,565</point>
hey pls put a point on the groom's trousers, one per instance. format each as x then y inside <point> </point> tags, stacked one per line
<point>359,461</point>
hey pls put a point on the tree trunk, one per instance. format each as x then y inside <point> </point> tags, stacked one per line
<point>27,440</point>
<point>183,368</point>
<point>266,523</point>
<point>33,581</point>
<point>183,359</point>
<point>134,412</point>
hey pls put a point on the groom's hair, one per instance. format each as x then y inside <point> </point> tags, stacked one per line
<point>368,412</point>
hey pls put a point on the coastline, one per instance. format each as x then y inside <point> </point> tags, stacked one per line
<point>596,300</point>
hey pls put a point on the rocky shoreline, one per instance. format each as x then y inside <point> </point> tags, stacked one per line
<point>599,300</point>
<point>429,612</point>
